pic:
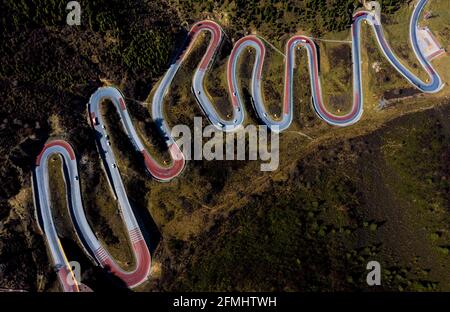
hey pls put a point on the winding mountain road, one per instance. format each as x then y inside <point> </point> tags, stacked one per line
<point>166,173</point>
<point>84,231</point>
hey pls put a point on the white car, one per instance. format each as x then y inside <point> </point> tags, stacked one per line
<point>108,142</point>
<point>103,126</point>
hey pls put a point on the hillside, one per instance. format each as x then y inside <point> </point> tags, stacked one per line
<point>377,190</point>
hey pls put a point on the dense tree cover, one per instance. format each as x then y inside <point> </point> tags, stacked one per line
<point>276,17</point>
<point>126,23</point>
